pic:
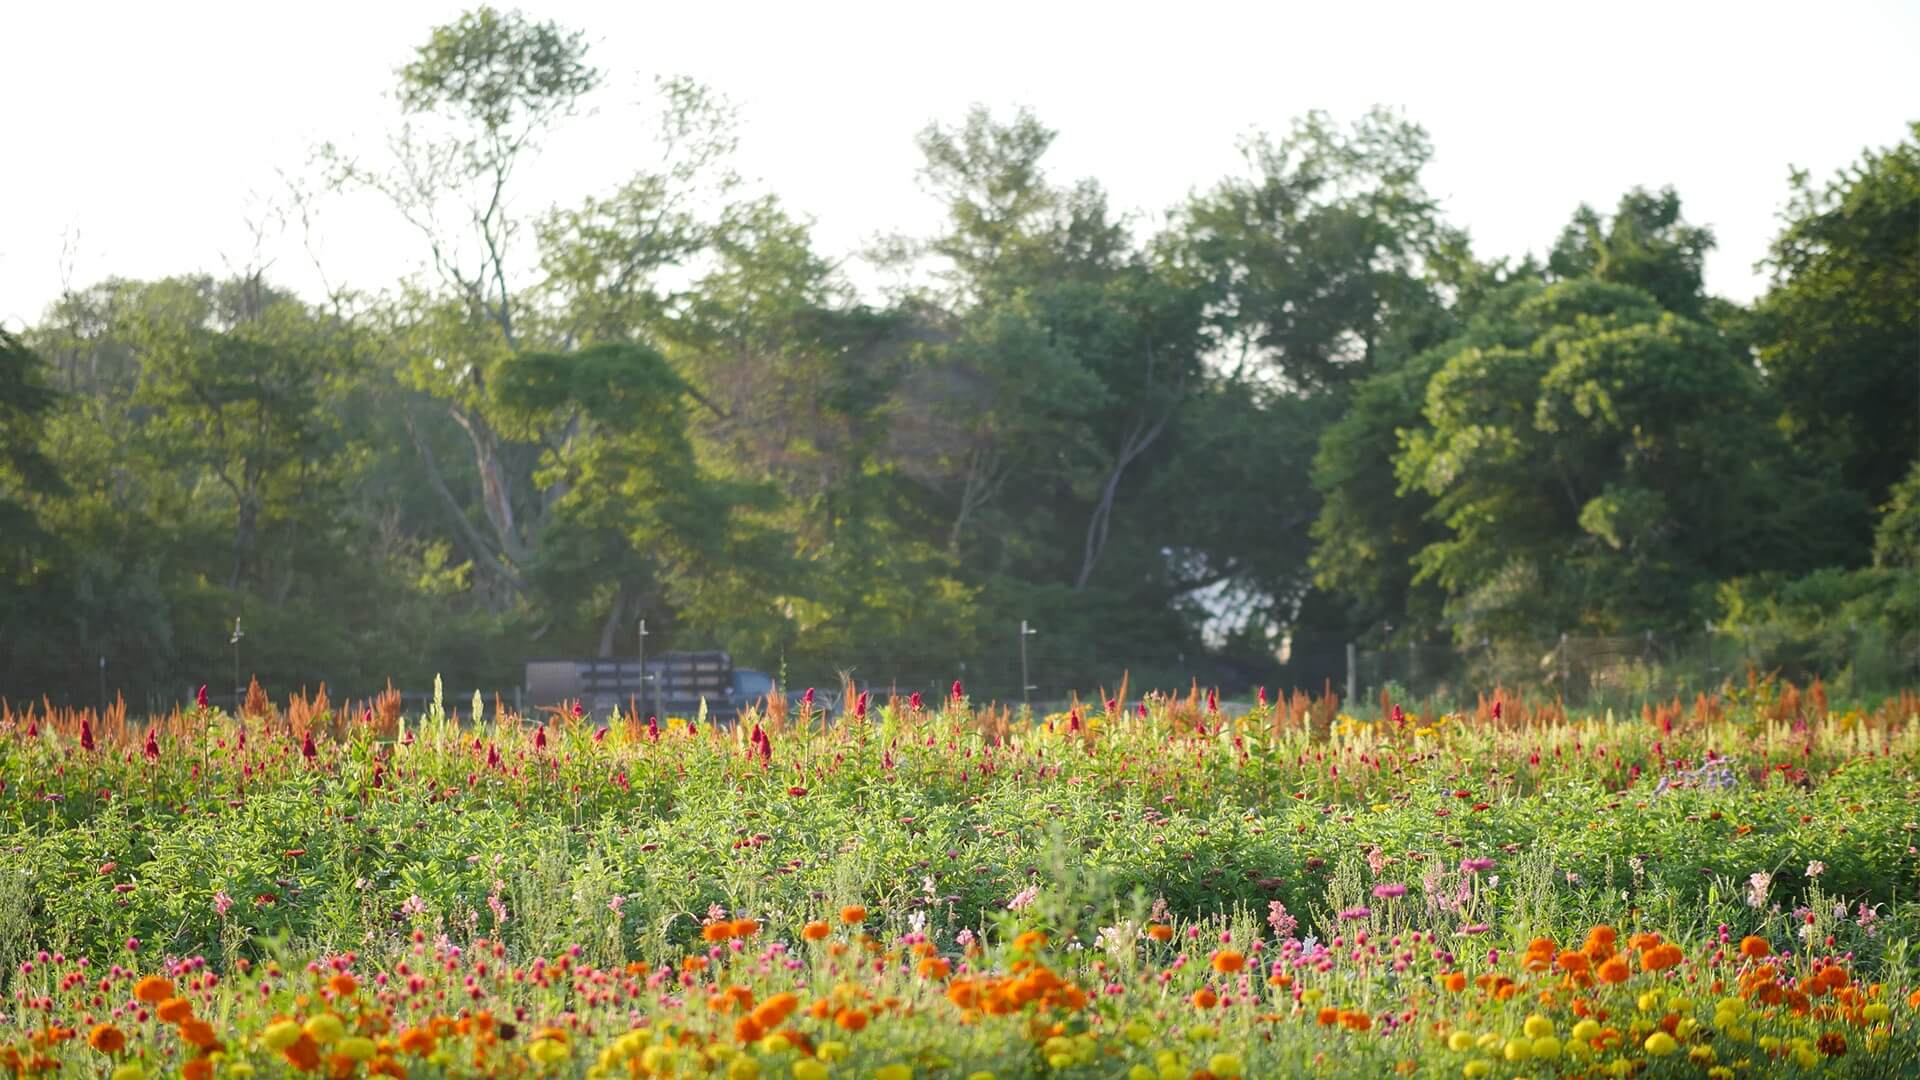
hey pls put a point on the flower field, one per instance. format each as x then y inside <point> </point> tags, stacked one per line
<point>1133,888</point>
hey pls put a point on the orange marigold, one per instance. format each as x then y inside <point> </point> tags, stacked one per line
<point>197,1069</point>
<point>816,930</point>
<point>304,1054</point>
<point>418,1041</point>
<point>1615,970</point>
<point>1228,961</point>
<point>153,989</point>
<point>745,928</point>
<point>1160,932</point>
<point>850,1019</point>
<point>107,1039</point>
<point>717,931</point>
<point>343,984</point>
<point>853,913</point>
<point>1755,948</point>
<point>1205,998</point>
<point>1454,982</point>
<point>199,1033</point>
<point>173,1010</point>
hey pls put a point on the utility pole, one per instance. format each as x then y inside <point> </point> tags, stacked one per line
<point>238,691</point>
<point>103,685</point>
<point>1026,684</point>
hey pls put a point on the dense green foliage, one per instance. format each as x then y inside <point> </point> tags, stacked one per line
<point>1295,408</point>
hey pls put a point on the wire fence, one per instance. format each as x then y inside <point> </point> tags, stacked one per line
<point>1050,672</point>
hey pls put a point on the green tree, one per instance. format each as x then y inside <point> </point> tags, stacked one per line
<point>1839,331</point>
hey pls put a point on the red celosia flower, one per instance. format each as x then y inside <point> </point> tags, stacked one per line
<point>957,692</point>
<point>86,735</point>
<point>200,697</point>
<point>152,750</point>
<point>307,749</point>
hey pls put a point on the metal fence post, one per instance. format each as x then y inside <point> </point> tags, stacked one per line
<point>1353,674</point>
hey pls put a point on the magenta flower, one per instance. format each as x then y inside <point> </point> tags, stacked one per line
<point>1354,913</point>
<point>1390,891</point>
<point>200,697</point>
<point>221,902</point>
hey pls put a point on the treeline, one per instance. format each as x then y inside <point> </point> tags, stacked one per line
<point>1297,406</point>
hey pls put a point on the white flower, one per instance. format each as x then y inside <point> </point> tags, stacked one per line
<point>1816,868</point>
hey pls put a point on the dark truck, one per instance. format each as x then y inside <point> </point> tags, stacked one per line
<point>673,684</point>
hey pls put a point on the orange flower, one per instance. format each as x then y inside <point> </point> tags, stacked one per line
<point>1615,970</point>
<point>1661,957</point>
<point>816,930</point>
<point>417,1041</point>
<point>111,1040</point>
<point>1454,982</point>
<point>304,1054</point>
<point>1833,978</point>
<point>386,1066</point>
<point>774,1011</point>
<point>1029,941</point>
<point>850,1019</point>
<point>1227,961</point>
<point>1356,1021</point>
<point>747,1029</point>
<point>1573,963</point>
<point>853,913</point>
<point>1205,998</point>
<point>343,985</point>
<point>1160,932</point>
<point>746,928</point>
<point>936,967</point>
<point>173,1010</point>
<point>1327,1016</point>
<point>1754,948</point>
<point>199,1033</point>
<point>717,932</point>
<point>153,989</point>
<point>197,1069</point>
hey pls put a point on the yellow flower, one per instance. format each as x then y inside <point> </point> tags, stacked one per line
<point>325,1028</point>
<point>1537,1026</point>
<point>893,1072</point>
<point>743,1068</point>
<point>1141,1072</point>
<point>281,1035</point>
<point>809,1069</point>
<point>775,1043</point>
<point>240,1070</point>
<point>1225,1065</point>
<point>1586,1029</point>
<point>1460,1042</point>
<point>1474,1070</point>
<point>1660,1044</point>
<point>548,1051</point>
<point>1517,1050</point>
<point>833,1050</point>
<point>1875,1012</point>
<point>1546,1048</point>
<point>130,1071</point>
<point>358,1047</point>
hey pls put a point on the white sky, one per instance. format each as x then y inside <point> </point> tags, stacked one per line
<point>151,131</point>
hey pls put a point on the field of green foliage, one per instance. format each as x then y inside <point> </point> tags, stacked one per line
<point>1142,888</point>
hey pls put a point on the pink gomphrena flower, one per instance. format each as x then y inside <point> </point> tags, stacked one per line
<point>913,702</point>
<point>200,697</point>
<point>152,749</point>
<point>86,735</point>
